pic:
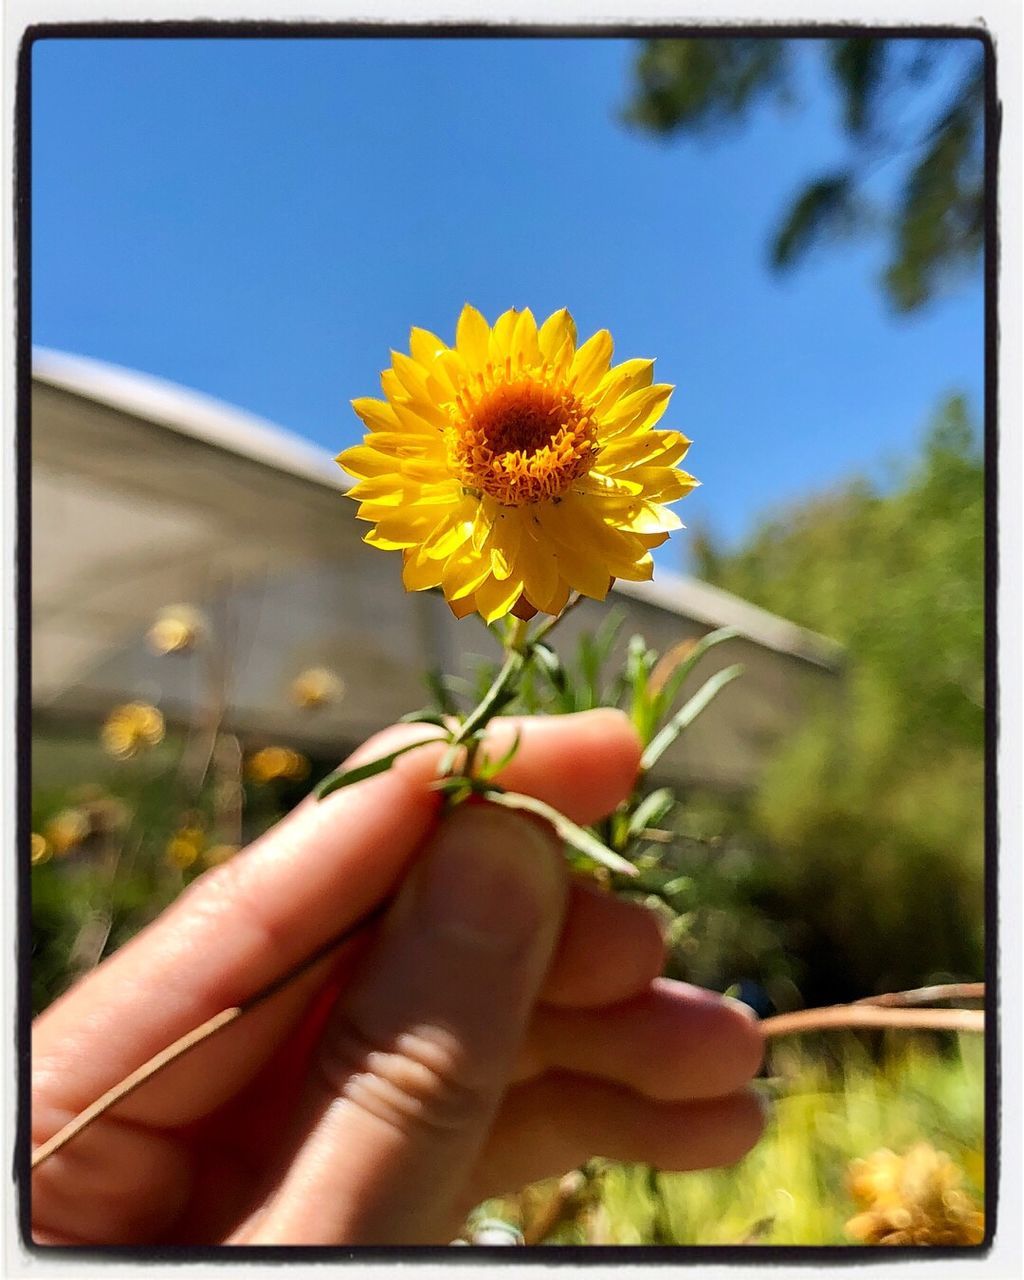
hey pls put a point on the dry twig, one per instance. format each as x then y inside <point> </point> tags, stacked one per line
<point>873,1017</point>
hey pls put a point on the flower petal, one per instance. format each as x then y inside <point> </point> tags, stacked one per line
<point>664,484</point>
<point>501,336</point>
<point>556,330</point>
<point>424,346</point>
<point>524,347</point>
<point>472,337</point>
<point>364,462</point>
<point>590,363</point>
<point>650,517</point>
<point>663,447</point>
<point>578,565</point>
<point>638,411</point>
<point>378,415</point>
<point>463,573</point>
<point>502,545</point>
<point>624,378</point>
<point>494,598</point>
<point>419,572</point>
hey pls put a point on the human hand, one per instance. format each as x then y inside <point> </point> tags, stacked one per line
<point>503,1024</point>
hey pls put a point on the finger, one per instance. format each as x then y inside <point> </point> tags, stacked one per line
<point>576,763</point>
<point>82,1196</point>
<point>556,1123</point>
<point>417,1054</point>
<point>611,952</point>
<point>672,1043</point>
<point>610,949</point>
<point>238,928</point>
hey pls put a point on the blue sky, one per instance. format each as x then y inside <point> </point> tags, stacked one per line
<point>264,220</point>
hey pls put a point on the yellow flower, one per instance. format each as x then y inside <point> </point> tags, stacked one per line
<point>272,763</point>
<point>41,850</point>
<point>219,853</point>
<point>177,629</point>
<point>131,728</point>
<point>185,846</point>
<point>316,688</point>
<point>515,467</point>
<point>913,1199</point>
<point>66,831</point>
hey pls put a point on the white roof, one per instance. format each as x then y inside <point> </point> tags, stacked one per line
<point>191,412</point>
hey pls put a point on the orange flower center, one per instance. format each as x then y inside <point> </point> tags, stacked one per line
<point>519,441</point>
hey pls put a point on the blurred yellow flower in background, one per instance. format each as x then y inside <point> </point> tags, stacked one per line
<point>219,853</point>
<point>913,1199</point>
<point>177,629</point>
<point>41,850</point>
<point>273,763</point>
<point>516,467</point>
<point>131,728</point>
<point>185,846</point>
<point>66,830</point>
<point>316,687</point>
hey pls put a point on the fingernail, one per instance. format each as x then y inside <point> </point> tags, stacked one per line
<point>490,879</point>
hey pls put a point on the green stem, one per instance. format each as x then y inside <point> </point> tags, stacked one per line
<point>516,641</point>
<point>518,644</point>
<point>484,709</point>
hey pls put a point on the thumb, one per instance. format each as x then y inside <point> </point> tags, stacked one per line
<point>419,1050</point>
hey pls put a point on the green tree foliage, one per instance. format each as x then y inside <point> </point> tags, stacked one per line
<point>875,813</point>
<point>917,104</point>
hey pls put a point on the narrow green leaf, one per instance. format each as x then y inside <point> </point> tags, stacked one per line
<point>447,761</point>
<point>456,787</point>
<point>498,695</point>
<point>347,777</point>
<point>639,664</point>
<point>550,663</point>
<point>437,684</point>
<point>560,680</point>
<point>651,810</point>
<point>686,715</point>
<point>425,715</point>
<point>615,831</point>
<point>608,632</point>
<point>589,671</point>
<point>681,884</point>
<point>678,677</point>
<point>573,835</point>
<point>489,769</point>
<point>638,660</point>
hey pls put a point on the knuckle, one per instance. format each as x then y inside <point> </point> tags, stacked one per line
<point>413,1081</point>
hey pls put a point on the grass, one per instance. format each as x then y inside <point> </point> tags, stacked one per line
<point>833,1102</point>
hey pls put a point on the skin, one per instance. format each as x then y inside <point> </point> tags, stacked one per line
<point>503,1023</point>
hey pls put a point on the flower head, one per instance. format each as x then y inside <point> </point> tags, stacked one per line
<point>515,467</point>
<point>41,850</point>
<point>176,629</point>
<point>272,763</point>
<point>315,688</point>
<point>185,846</point>
<point>131,728</point>
<point>912,1199</point>
<point>67,830</point>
